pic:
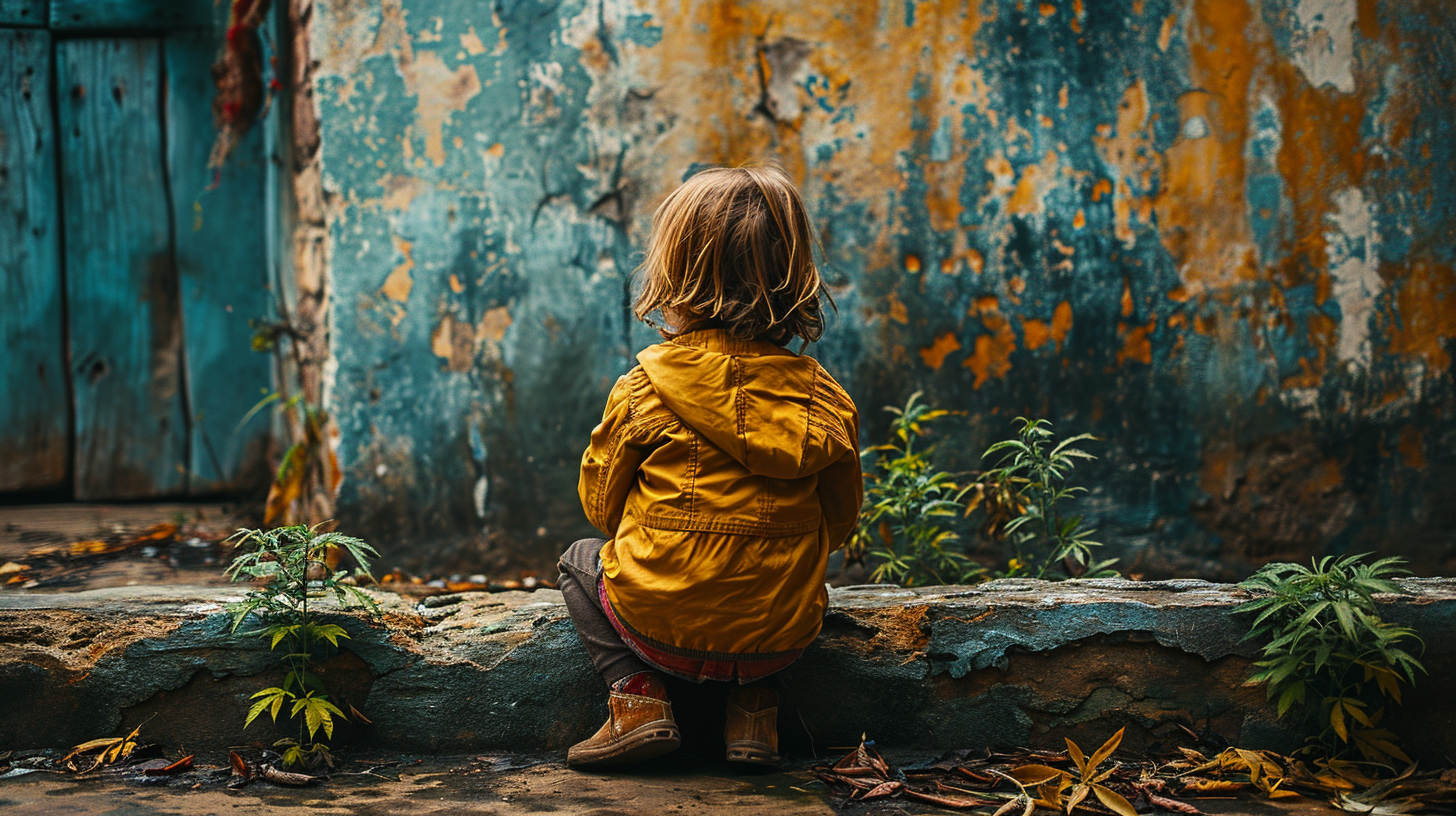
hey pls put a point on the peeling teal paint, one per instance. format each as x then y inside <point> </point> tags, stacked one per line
<point>1255,275</point>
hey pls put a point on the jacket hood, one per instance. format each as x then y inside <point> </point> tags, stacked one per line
<point>749,398</point>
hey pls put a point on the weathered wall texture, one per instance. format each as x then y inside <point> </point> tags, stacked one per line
<point>1217,233</point>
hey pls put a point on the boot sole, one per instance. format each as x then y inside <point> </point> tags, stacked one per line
<point>642,743</point>
<point>748,752</point>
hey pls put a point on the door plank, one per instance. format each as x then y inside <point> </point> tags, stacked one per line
<point>23,12</point>
<point>121,284</point>
<point>35,413</point>
<point>222,264</point>
<point>137,14</point>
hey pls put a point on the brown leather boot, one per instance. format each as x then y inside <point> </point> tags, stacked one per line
<point>752,728</point>
<point>637,728</point>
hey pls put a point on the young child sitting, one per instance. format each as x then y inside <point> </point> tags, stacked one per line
<point>724,471</point>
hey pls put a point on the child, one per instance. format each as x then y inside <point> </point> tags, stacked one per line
<point>724,471</point>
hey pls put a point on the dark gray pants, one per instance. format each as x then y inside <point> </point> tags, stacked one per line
<point>581,566</point>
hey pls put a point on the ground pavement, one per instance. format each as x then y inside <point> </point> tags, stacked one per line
<point>497,785</point>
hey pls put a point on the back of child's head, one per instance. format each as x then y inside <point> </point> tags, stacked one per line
<point>732,249</point>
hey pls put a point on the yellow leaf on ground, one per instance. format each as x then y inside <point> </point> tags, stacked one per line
<point>88,747</point>
<point>1212,785</point>
<point>1031,775</point>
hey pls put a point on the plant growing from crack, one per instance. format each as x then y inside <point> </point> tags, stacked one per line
<point>292,565</point>
<point>1328,656</point>
<point>904,524</point>
<point>1047,541</point>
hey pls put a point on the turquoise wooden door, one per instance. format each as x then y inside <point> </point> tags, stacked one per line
<point>134,269</point>
<point>34,409</point>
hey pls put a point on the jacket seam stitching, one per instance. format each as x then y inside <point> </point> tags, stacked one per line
<point>769,529</point>
<point>692,476</point>
<point>808,419</point>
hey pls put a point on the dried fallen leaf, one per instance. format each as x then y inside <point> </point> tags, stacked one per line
<point>176,767</point>
<point>1388,807</point>
<point>1212,785</point>
<point>1173,805</point>
<point>863,761</point>
<point>883,789</point>
<point>90,546</point>
<point>1026,803</point>
<point>88,747</point>
<point>288,778</point>
<point>13,567</point>
<point>941,800</point>
<point>1033,775</point>
<point>243,772</point>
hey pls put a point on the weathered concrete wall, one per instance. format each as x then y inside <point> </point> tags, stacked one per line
<point>1218,233</point>
<point>1010,663</point>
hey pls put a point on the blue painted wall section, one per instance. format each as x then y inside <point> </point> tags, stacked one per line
<point>1217,234</point>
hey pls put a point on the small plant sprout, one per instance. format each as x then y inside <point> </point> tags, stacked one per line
<point>903,525</point>
<point>293,564</point>
<point>1327,655</point>
<point>1047,542</point>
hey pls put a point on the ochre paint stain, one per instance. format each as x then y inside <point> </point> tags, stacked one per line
<point>1136,343</point>
<point>1035,332</point>
<point>455,343</point>
<point>1324,333</point>
<point>707,68</point>
<point>1061,322</point>
<point>439,91</point>
<point>470,41</point>
<point>1425,315</point>
<point>1127,148</point>
<point>493,324</point>
<point>991,356</point>
<point>897,312</point>
<point>400,191</point>
<point>399,283</point>
<point>1026,198</point>
<point>1038,332</point>
<point>934,354</point>
<point>1412,448</point>
<point>1200,212</point>
<point>1322,478</point>
<point>1219,473</point>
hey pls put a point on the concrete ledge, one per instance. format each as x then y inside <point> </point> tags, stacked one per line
<point>1005,663</point>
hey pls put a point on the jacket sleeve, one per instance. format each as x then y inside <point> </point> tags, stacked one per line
<point>841,484</point>
<point>841,492</point>
<point>609,465</point>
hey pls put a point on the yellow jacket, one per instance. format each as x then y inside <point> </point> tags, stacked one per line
<point>724,473</point>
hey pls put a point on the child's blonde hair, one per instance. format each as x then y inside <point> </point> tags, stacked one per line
<point>732,248</point>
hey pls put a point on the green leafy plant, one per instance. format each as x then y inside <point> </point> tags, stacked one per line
<point>1328,656</point>
<point>292,565</point>
<point>1047,542</point>
<point>905,527</point>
